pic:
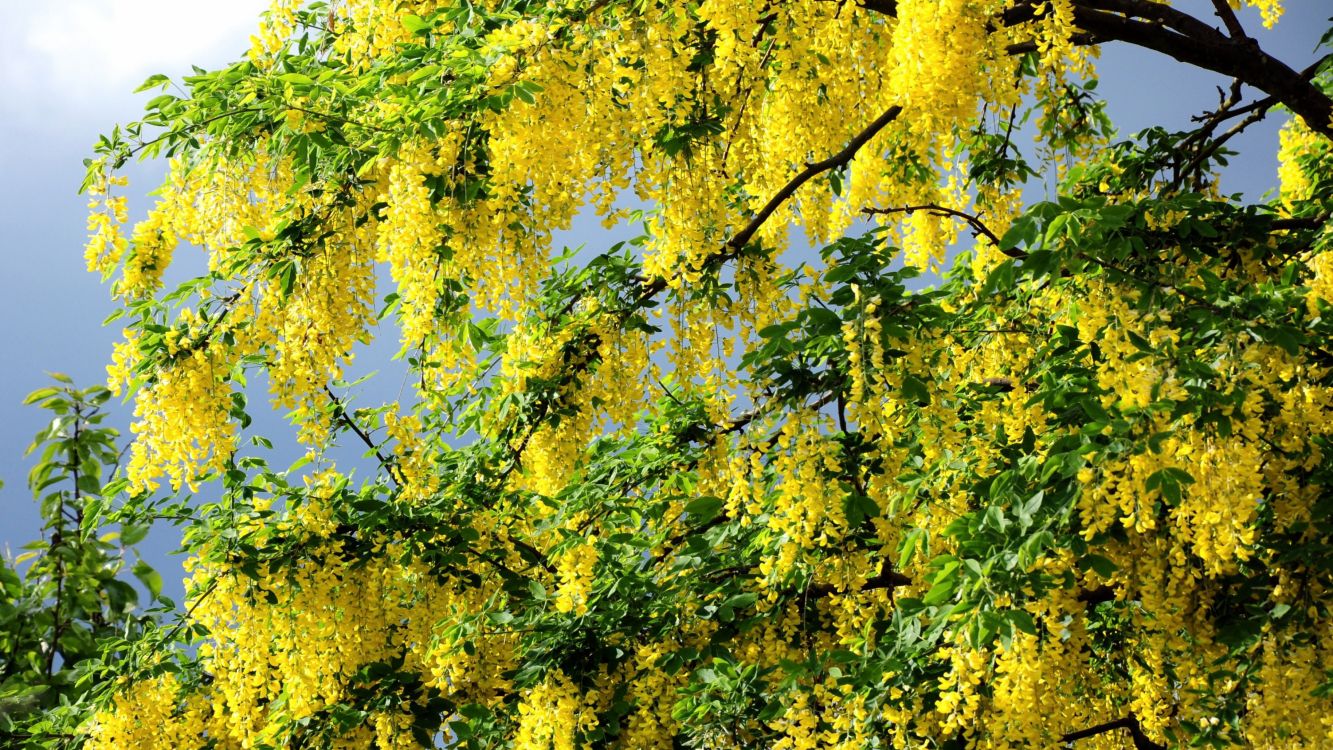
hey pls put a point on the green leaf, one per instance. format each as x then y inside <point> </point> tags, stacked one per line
<point>461,729</point>
<point>153,81</point>
<point>40,394</point>
<point>1022,621</point>
<point>1022,232</point>
<point>704,509</point>
<point>416,24</point>
<point>741,601</point>
<point>131,534</point>
<point>858,508</point>
<point>426,71</point>
<point>151,579</point>
<point>940,592</point>
<point>945,580</point>
<point>1098,564</point>
<point>913,539</point>
<point>915,391</point>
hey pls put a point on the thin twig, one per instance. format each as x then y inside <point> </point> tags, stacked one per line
<point>974,221</point>
<point>340,411</point>
<point>838,160</point>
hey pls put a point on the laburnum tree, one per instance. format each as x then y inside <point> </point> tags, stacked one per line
<point>706,488</point>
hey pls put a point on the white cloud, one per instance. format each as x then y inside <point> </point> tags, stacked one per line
<point>74,55</point>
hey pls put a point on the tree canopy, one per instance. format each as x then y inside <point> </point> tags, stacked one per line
<point>703,488</point>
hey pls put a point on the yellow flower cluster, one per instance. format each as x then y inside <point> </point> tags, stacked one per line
<point>651,726</point>
<point>410,241</point>
<point>808,509</point>
<point>155,713</point>
<point>275,32</point>
<point>1290,672</point>
<point>153,244</point>
<point>553,715</point>
<point>107,213</point>
<point>183,423</point>
<point>283,651</point>
<point>1270,10</point>
<point>412,457</point>
<point>575,568</point>
<point>607,392</point>
<point>1301,155</point>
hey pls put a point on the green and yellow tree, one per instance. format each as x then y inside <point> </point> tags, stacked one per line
<point>702,489</point>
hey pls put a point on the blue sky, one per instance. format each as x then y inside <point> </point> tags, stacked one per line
<point>67,71</point>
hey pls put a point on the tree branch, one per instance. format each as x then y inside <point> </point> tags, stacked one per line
<point>134,149</point>
<point>975,222</point>
<point>1207,150</point>
<point>840,159</point>
<point>340,412</point>
<point>1190,41</point>
<point>1131,722</point>
<point>1229,19</point>
<point>739,240</point>
<point>1078,38</point>
<point>1162,28</point>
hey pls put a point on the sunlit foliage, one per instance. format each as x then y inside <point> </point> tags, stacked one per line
<point>705,488</point>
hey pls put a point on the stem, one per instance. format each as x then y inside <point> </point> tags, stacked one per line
<point>58,540</point>
<point>340,411</point>
<point>130,152</point>
<point>733,246</point>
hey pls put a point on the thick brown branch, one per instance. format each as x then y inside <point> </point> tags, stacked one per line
<point>884,7</point>
<point>1078,39</point>
<point>1131,722</point>
<point>1162,28</point>
<point>1190,41</point>
<point>1158,13</point>
<point>1300,223</point>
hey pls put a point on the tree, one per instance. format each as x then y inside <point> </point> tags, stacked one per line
<point>682,491</point>
<point>67,610</point>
